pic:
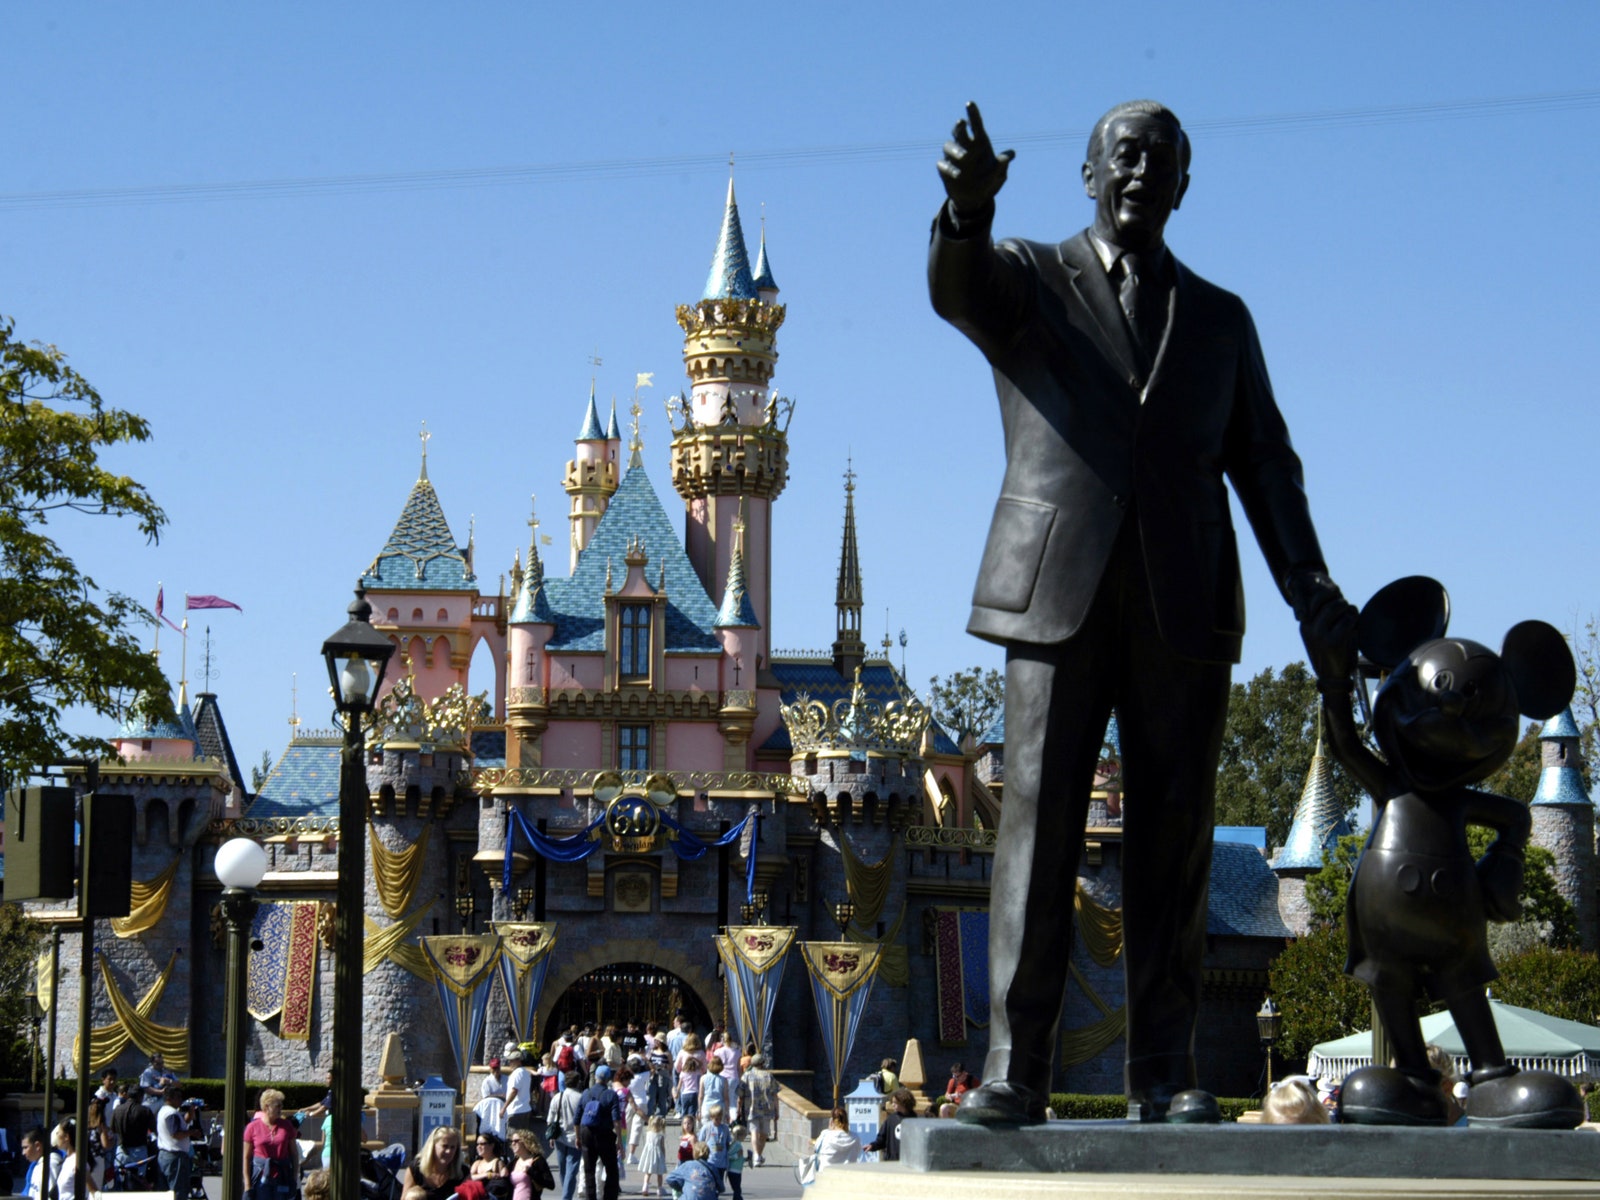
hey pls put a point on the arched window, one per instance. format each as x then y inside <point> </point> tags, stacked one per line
<point>444,614</point>
<point>633,648</point>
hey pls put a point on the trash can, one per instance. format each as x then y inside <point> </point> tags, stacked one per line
<point>438,1107</point>
<point>865,1107</point>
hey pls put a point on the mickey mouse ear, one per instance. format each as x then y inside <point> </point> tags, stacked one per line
<point>1541,668</point>
<point>1400,617</point>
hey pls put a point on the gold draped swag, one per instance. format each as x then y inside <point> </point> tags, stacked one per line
<point>133,1024</point>
<point>1100,933</point>
<point>894,964</point>
<point>148,902</point>
<point>395,872</point>
<point>388,942</point>
<point>867,883</point>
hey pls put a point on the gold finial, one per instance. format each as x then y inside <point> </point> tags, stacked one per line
<point>424,436</point>
<point>661,578</point>
<point>533,519</point>
<point>849,473</point>
<point>635,442</point>
<point>608,573</point>
<point>594,361</point>
<point>294,701</point>
<point>738,528</point>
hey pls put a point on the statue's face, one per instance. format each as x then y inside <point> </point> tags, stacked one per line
<point>1447,715</point>
<point>1137,181</point>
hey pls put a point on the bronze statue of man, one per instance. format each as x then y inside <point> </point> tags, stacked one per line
<point>1129,388</point>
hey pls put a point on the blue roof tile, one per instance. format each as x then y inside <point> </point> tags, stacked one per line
<point>304,783</point>
<point>1244,894</point>
<point>737,612</point>
<point>613,430</point>
<point>1559,726</point>
<point>816,678</point>
<point>181,729</point>
<point>421,554</point>
<point>730,264</point>
<point>577,603</point>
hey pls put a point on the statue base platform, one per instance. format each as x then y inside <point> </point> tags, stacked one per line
<point>1089,1160</point>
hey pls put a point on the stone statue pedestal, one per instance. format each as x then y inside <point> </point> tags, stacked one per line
<point>395,1104</point>
<point>1091,1160</point>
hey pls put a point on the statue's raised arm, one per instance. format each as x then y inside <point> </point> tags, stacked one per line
<point>973,173</point>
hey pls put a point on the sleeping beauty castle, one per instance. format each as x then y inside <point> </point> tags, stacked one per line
<point>646,811</point>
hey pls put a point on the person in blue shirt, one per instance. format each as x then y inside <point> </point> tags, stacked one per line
<point>600,1126</point>
<point>694,1180</point>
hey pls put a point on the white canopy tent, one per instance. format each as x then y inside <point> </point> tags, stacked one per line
<point>1531,1039</point>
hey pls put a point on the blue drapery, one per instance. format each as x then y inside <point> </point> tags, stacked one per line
<point>685,844</point>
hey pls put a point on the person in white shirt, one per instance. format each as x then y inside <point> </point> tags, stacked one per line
<point>173,1154</point>
<point>67,1173</point>
<point>43,1164</point>
<point>519,1095</point>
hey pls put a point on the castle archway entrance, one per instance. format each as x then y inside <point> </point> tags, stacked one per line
<point>621,992</point>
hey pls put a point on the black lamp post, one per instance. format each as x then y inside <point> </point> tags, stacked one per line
<point>1269,1023</point>
<point>240,865</point>
<point>357,656</point>
<point>36,1015</point>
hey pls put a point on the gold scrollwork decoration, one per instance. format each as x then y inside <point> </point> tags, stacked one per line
<point>945,838</point>
<point>487,779</point>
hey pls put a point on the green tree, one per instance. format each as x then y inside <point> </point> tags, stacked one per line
<point>1327,888</point>
<point>1266,750</point>
<point>1586,697</point>
<point>1318,1000</point>
<point>1519,778</point>
<point>1563,983</point>
<point>19,948</point>
<point>63,640</point>
<point>967,702</point>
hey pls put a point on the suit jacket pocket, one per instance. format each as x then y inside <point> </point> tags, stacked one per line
<point>1017,538</point>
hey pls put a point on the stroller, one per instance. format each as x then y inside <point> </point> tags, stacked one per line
<point>380,1172</point>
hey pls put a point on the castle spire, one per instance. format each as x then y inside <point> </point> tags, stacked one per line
<point>591,431</point>
<point>737,611</point>
<point>730,263</point>
<point>1319,820</point>
<point>613,431</point>
<point>848,649</point>
<point>532,606</point>
<point>766,286</point>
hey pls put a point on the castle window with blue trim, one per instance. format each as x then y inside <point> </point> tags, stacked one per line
<point>633,747</point>
<point>633,642</point>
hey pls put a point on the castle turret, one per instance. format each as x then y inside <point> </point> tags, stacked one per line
<point>848,649</point>
<point>422,590</point>
<point>1563,822</point>
<point>531,625</point>
<point>730,452</point>
<point>591,478</point>
<point>766,286</point>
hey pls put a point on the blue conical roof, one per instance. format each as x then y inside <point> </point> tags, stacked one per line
<point>140,726</point>
<point>764,280</point>
<point>591,431</point>
<point>730,265</point>
<point>532,606</point>
<point>1561,780</point>
<point>1319,820</point>
<point>737,612</point>
<point>613,430</point>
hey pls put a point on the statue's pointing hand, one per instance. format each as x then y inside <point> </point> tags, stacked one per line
<point>973,174</point>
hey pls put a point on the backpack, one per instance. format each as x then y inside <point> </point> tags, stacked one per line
<point>565,1058</point>
<point>593,1117</point>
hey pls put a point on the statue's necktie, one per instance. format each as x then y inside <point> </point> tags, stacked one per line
<point>1128,293</point>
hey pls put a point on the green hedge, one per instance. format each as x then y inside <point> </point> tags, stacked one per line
<point>1070,1106</point>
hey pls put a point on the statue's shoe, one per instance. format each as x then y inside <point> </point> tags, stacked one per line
<point>1001,1103</point>
<point>1386,1096</point>
<point>1526,1100</point>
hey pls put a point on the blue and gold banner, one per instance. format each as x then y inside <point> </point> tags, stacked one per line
<point>841,983</point>
<point>524,962</point>
<point>463,969</point>
<point>753,957</point>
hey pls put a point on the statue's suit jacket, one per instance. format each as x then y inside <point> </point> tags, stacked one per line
<point>1092,433</point>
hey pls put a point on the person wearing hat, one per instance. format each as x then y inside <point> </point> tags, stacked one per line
<point>600,1127</point>
<point>494,1083</point>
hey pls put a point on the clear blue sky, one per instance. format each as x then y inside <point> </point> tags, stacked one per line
<point>1415,236</point>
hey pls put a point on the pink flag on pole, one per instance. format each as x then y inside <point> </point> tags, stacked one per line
<point>161,594</point>
<point>193,602</point>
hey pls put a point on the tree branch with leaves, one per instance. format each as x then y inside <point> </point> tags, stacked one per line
<point>64,641</point>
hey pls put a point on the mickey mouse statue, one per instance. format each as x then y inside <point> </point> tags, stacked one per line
<point>1445,718</point>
